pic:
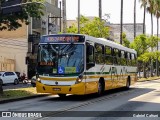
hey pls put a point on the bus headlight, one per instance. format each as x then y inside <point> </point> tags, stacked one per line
<point>79,79</point>
<point>39,80</point>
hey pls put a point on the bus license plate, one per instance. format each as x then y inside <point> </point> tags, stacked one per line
<point>57,89</point>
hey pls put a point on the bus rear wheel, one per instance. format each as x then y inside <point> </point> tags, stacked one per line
<point>62,95</point>
<point>128,83</point>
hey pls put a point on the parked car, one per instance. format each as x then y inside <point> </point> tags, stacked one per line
<point>33,81</point>
<point>9,77</point>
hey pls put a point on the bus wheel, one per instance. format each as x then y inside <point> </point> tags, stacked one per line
<point>62,95</point>
<point>100,87</point>
<point>128,82</point>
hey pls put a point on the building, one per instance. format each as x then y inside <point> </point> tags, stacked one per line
<point>128,29</point>
<point>16,46</point>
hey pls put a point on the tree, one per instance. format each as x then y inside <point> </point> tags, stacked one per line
<point>100,9</point>
<point>157,14</point>
<point>150,9</point>
<point>144,3</point>
<point>152,43</point>
<point>30,8</point>
<point>140,44</point>
<point>134,18</point>
<point>121,22</point>
<point>126,42</point>
<point>145,58</point>
<point>95,28</point>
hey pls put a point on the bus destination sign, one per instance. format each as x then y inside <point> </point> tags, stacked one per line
<point>62,39</point>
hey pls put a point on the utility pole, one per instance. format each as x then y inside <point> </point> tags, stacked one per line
<point>64,15</point>
<point>78,16</point>
<point>100,9</point>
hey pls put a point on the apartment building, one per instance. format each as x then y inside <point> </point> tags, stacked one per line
<point>16,46</point>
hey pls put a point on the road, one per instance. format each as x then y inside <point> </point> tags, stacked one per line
<point>139,101</point>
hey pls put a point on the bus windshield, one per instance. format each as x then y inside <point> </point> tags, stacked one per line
<point>60,59</point>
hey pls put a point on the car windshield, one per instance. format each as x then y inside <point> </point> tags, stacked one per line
<point>60,59</point>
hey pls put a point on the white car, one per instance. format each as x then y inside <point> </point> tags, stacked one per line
<point>9,77</point>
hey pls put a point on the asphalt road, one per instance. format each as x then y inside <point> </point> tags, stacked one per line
<point>141,99</point>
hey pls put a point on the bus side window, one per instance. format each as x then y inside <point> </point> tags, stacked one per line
<point>115,56</point>
<point>90,56</point>
<point>108,55</point>
<point>133,57</point>
<point>123,59</point>
<point>99,53</point>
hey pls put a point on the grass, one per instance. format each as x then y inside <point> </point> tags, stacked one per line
<point>18,93</point>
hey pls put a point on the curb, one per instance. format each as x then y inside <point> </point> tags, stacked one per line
<point>21,98</point>
<point>148,80</point>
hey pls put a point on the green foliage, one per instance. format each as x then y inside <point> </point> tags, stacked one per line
<point>140,44</point>
<point>125,42</point>
<point>145,57</point>
<point>152,41</point>
<point>29,9</point>
<point>94,28</point>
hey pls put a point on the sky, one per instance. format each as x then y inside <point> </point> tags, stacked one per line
<point>112,7</point>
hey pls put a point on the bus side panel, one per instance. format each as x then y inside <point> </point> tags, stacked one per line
<point>108,82</point>
<point>91,87</point>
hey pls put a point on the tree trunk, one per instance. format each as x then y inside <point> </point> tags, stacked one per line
<point>100,9</point>
<point>157,63</point>
<point>151,24</point>
<point>134,19</point>
<point>121,22</point>
<point>144,70</point>
<point>151,48</point>
<point>144,19</point>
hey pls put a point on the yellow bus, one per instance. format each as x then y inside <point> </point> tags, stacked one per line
<point>80,64</point>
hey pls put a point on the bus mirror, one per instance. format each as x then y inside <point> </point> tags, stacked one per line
<point>89,50</point>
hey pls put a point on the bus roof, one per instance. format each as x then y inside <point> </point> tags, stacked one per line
<point>100,41</point>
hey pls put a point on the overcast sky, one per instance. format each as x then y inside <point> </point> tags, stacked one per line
<point>112,7</point>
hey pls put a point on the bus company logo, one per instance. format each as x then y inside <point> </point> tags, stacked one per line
<point>56,83</point>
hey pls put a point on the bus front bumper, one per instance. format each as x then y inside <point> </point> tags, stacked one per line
<point>77,89</point>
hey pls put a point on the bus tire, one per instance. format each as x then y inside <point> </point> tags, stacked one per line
<point>128,83</point>
<point>101,86</point>
<point>62,95</point>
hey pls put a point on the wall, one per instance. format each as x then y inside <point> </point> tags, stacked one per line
<point>14,46</point>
